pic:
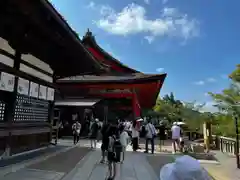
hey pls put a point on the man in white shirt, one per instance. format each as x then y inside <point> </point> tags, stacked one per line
<point>76,128</point>
<point>176,134</point>
<point>150,135</point>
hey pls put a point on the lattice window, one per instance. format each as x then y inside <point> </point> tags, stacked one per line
<point>2,110</point>
<point>30,109</point>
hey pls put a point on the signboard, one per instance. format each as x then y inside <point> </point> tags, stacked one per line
<point>23,86</point>
<point>7,82</point>
<point>43,92</point>
<point>50,94</point>
<point>34,89</point>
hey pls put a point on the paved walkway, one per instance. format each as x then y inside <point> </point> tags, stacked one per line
<point>81,163</point>
<point>136,167</point>
<point>225,169</point>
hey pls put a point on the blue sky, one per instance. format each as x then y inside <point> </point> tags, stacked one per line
<point>195,41</point>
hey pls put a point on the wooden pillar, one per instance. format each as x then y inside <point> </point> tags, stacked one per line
<point>134,107</point>
<point>105,113</point>
<point>51,116</point>
<point>207,135</point>
<point>10,106</point>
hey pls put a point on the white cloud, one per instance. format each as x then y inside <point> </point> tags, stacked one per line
<point>200,83</point>
<point>164,1</point>
<point>132,19</point>
<point>150,39</point>
<point>147,1</point>
<point>160,70</point>
<point>211,80</point>
<point>209,107</point>
<point>91,5</point>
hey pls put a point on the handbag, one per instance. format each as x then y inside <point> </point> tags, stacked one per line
<point>153,134</point>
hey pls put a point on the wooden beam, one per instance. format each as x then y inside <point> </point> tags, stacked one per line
<point>29,131</point>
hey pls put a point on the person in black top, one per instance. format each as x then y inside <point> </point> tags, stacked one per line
<point>112,156</point>
<point>162,135</point>
<point>105,139</point>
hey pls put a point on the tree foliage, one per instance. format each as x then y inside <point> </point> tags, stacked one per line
<point>228,102</point>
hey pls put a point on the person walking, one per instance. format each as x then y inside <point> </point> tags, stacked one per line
<point>124,139</point>
<point>150,135</point>
<point>176,134</point>
<point>93,134</point>
<point>135,136</point>
<point>76,128</point>
<point>162,135</point>
<point>105,140</point>
<point>111,153</point>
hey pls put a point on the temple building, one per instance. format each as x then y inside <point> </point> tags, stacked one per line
<point>121,92</point>
<point>37,47</point>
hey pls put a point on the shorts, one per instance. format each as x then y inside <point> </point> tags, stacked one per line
<point>175,141</point>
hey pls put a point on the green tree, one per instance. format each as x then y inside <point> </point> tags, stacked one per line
<point>228,103</point>
<point>228,100</point>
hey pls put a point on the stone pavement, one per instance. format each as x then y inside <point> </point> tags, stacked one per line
<point>135,167</point>
<point>225,169</point>
<point>80,162</point>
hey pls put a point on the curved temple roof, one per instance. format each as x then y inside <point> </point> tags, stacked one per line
<point>133,78</point>
<point>103,56</point>
<point>35,27</point>
<point>147,86</point>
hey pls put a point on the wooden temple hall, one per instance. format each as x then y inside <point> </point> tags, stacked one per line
<point>48,74</point>
<point>120,93</point>
<point>37,47</point>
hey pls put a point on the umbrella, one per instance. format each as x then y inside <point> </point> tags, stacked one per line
<point>180,123</point>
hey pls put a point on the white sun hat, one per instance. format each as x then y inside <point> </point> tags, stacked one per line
<point>184,168</point>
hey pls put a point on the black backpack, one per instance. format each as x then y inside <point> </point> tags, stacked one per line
<point>117,144</point>
<point>144,131</point>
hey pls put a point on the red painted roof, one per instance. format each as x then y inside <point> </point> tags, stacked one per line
<point>104,57</point>
<point>147,86</point>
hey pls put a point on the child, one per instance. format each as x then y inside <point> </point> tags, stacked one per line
<point>124,141</point>
<point>181,140</point>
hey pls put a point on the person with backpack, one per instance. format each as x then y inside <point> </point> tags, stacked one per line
<point>105,139</point>
<point>150,132</point>
<point>114,145</point>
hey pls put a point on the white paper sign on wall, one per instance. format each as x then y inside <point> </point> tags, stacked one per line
<point>34,88</point>
<point>43,92</point>
<point>50,94</point>
<point>23,86</point>
<point>7,82</point>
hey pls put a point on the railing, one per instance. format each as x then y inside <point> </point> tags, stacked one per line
<point>225,144</point>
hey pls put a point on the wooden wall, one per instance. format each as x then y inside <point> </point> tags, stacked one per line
<point>26,101</point>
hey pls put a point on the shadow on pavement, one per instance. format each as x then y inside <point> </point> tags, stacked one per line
<point>63,162</point>
<point>29,156</point>
<point>158,161</point>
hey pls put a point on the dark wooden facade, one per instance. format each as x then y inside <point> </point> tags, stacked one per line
<point>36,47</point>
<point>26,100</point>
